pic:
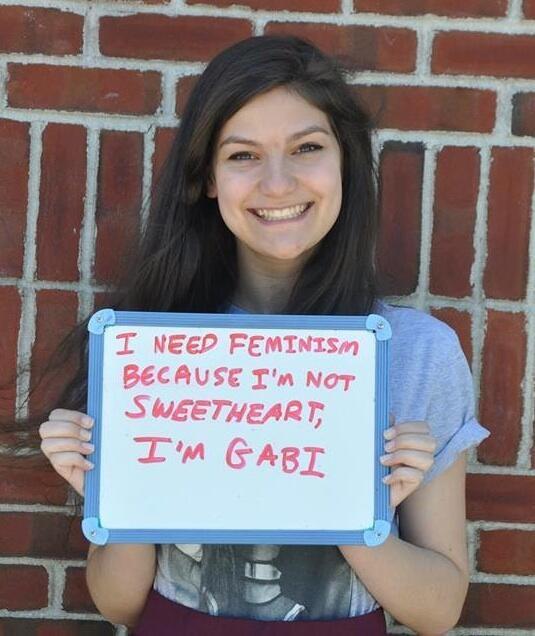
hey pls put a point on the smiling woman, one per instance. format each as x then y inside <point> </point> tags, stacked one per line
<point>268,204</point>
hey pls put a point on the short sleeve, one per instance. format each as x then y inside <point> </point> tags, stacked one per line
<point>451,410</point>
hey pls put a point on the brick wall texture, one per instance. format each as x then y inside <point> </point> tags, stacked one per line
<point>89,95</point>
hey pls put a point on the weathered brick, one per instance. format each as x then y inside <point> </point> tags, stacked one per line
<point>84,89</point>
<point>500,498</point>
<point>63,179</point>
<point>509,205</point>
<point>41,627</point>
<point>23,587</point>
<point>523,114</point>
<point>361,47</point>
<point>316,6</point>
<point>461,323</point>
<point>76,596</point>
<point>41,535</point>
<point>14,167</point>
<point>56,316</point>
<point>35,30</point>
<point>496,54</point>
<point>183,91</point>
<point>506,552</point>
<point>29,481</point>
<point>430,108</point>
<point>497,605</point>
<point>118,200</point>
<point>450,8</point>
<point>529,9</point>
<point>452,245</point>
<point>504,356</point>
<point>401,172</point>
<point>10,304</point>
<point>153,36</point>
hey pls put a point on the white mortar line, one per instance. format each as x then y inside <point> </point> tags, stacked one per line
<point>51,613</point>
<point>428,186</point>
<point>33,508</point>
<point>88,232</point>
<point>168,88</point>
<point>514,12</point>
<point>424,50</point>
<point>502,525</point>
<point>346,8</point>
<point>504,112</point>
<point>476,277</point>
<point>3,86</point>
<point>148,155</point>
<point>56,585</point>
<point>90,51</point>
<point>472,541</point>
<point>503,579</point>
<point>26,336</point>
<point>489,469</point>
<point>527,432</point>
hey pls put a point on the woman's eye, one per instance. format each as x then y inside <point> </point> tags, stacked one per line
<point>240,156</point>
<point>308,147</point>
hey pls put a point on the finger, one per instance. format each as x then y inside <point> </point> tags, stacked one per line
<point>404,474</point>
<point>82,419</point>
<point>412,427</point>
<point>411,441</point>
<point>52,446</point>
<point>64,461</point>
<point>412,458</point>
<point>60,428</point>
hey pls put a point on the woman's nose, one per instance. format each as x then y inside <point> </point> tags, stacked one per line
<point>277,178</point>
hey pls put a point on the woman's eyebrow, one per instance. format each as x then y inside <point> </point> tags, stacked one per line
<point>235,139</point>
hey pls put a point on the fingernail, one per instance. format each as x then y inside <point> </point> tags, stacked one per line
<point>383,458</point>
<point>386,479</point>
<point>87,421</point>
<point>85,435</point>
<point>389,446</point>
<point>88,447</point>
<point>390,433</point>
<point>89,464</point>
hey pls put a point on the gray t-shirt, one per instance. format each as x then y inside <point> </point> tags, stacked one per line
<point>429,381</point>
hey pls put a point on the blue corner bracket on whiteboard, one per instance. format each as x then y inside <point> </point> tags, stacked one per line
<point>100,320</point>
<point>378,534</point>
<point>94,532</point>
<point>380,326</point>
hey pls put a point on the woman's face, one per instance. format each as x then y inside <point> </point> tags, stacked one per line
<point>277,177</point>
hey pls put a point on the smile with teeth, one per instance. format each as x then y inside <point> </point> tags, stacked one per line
<point>282,213</point>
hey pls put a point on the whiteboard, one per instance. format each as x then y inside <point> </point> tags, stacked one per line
<point>216,428</point>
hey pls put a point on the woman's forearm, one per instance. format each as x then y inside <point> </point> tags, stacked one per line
<point>420,588</point>
<point>119,578</point>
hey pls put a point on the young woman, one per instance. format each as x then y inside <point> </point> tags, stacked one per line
<point>267,205</point>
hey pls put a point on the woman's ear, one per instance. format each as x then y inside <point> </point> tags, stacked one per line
<point>211,188</point>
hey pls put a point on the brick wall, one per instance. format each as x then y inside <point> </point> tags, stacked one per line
<point>89,94</point>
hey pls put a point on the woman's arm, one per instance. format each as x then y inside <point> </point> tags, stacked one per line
<point>119,578</point>
<point>421,579</point>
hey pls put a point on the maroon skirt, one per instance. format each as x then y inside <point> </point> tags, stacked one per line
<point>162,617</point>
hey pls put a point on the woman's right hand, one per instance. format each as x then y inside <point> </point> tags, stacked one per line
<point>66,439</point>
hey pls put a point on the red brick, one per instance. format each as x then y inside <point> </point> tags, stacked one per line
<point>529,9</point>
<point>9,333</point>
<point>83,89</point>
<point>426,108</point>
<point>506,552</point>
<point>163,141</point>
<point>450,8</point>
<point>56,316</point>
<point>63,179</point>
<point>361,47</point>
<point>14,167</point>
<point>40,627</point>
<point>401,172</point>
<point>183,91</point>
<point>118,200</point>
<point>496,54</point>
<point>493,605</point>
<point>509,205</point>
<point>504,356</point>
<point>461,323</point>
<point>452,245</point>
<point>523,114</point>
<point>76,596</point>
<point>23,587</point>
<point>317,6</point>
<point>29,481</point>
<point>500,498</point>
<point>163,37</point>
<point>33,30</point>
<point>41,535</point>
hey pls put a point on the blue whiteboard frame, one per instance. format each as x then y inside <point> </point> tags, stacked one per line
<point>372,536</point>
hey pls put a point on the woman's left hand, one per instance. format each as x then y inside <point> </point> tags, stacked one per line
<point>409,450</point>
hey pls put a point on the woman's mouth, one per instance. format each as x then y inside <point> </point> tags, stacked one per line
<point>270,215</point>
